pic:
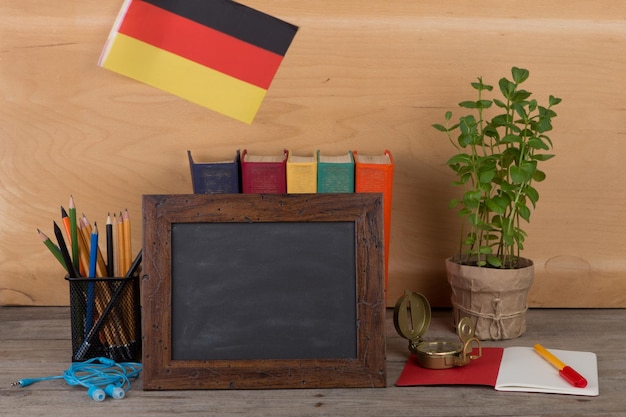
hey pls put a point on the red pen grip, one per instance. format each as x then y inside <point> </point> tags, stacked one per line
<point>573,377</point>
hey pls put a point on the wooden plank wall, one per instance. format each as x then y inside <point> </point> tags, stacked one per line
<point>361,74</point>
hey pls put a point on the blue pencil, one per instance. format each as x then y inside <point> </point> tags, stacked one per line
<point>91,290</point>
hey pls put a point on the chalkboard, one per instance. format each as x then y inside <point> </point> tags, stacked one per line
<point>263,278</point>
<point>263,291</point>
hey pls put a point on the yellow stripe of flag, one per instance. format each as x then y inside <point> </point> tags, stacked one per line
<point>184,78</point>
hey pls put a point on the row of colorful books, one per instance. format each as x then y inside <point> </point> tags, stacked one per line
<point>293,173</point>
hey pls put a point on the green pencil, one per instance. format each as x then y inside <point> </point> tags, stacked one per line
<point>53,248</point>
<point>74,234</point>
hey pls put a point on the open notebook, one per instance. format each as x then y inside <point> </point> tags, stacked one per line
<point>510,369</point>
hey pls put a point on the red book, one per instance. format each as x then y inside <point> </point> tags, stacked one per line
<point>263,174</point>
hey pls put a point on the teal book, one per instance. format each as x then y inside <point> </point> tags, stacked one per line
<point>335,173</point>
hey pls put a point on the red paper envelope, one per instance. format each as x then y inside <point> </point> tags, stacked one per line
<point>483,371</point>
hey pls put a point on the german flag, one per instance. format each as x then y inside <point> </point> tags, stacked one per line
<point>216,53</point>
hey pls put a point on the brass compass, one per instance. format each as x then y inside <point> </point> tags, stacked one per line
<point>411,318</point>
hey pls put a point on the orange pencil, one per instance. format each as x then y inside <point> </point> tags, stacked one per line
<point>83,249</point>
<point>128,255</point>
<point>66,224</point>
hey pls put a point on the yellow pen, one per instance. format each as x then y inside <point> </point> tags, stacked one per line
<point>566,372</point>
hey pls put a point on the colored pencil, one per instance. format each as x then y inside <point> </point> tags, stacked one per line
<point>102,292</point>
<point>93,252</point>
<point>68,233</point>
<point>128,250</point>
<point>120,246</point>
<point>53,248</point>
<point>74,233</point>
<point>75,297</point>
<point>83,250</point>
<point>64,251</point>
<point>66,223</point>
<point>85,229</point>
<point>110,257</point>
<point>84,222</point>
<point>91,289</point>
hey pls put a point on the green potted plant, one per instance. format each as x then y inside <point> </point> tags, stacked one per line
<point>499,145</point>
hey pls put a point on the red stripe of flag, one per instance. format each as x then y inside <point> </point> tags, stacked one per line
<point>201,44</point>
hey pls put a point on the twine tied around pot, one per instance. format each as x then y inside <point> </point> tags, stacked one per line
<point>496,318</point>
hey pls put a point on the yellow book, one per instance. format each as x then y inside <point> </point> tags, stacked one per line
<point>301,173</point>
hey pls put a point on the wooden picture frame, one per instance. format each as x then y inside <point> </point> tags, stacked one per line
<point>182,265</point>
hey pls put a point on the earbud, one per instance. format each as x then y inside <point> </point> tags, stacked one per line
<point>96,394</point>
<point>114,392</point>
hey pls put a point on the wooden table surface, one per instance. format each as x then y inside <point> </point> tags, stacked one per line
<point>35,342</point>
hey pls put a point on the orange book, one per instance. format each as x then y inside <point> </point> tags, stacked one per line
<point>374,174</point>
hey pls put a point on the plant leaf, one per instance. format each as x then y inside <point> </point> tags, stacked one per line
<point>483,104</point>
<point>542,156</point>
<point>554,101</point>
<point>539,176</point>
<point>521,95</point>
<point>461,158</point>
<point>499,103</point>
<point>494,261</point>
<point>519,74</point>
<point>518,175</point>
<point>537,143</point>
<point>524,212</point>
<point>506,88</point>
<point>486,176</point>
<point>532,194</point>
<point>468,104</point>
<point>511,139</point>
<point>494,206</point>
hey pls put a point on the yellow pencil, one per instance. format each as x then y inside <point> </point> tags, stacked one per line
<point>120,246</point>
<point>128,250</point>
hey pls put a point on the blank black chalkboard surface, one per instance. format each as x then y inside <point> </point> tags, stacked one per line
<point>263,291</point>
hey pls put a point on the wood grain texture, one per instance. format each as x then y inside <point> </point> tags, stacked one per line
<point>36,342</point>
<point>360,74</point>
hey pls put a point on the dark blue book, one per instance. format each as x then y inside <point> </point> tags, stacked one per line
<point>220,177</point>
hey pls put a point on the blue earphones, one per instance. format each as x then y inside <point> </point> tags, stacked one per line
<point>101,376</point>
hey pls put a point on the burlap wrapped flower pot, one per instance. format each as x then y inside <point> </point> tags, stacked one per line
<point>495,299</point>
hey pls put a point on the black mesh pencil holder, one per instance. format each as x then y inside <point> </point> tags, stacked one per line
<point>105,318</point>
